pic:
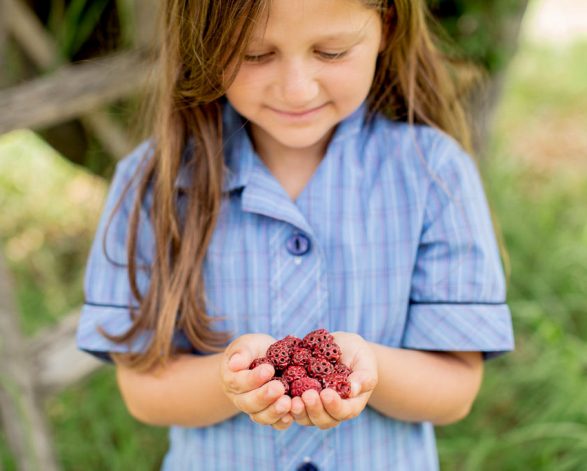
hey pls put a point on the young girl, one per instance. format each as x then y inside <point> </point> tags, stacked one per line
<point>306,170</point>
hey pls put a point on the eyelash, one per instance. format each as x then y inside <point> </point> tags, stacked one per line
<point>328,56</point>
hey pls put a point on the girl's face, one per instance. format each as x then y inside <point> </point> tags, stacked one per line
<point>308,69</point>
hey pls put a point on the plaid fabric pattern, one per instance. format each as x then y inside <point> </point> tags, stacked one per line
<point>401,250</point>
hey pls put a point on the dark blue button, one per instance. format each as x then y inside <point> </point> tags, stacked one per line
<point>308,467</point>
<point>298,244</point>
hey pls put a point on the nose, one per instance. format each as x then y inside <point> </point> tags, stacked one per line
<point>298,85</point>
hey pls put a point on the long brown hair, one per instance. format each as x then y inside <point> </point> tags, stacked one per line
<point>413,83</point>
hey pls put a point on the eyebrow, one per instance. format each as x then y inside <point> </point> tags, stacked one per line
<point>345,36</point>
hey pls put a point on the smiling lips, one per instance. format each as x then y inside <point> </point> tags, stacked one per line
<point>298,114</point>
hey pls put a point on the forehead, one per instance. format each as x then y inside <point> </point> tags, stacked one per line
<point>289,20</point>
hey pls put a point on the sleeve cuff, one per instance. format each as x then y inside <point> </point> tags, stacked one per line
<point>459,327</point>
<point>114,320</point>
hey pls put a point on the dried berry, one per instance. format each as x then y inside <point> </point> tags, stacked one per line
<point>293,372</point>
<point>320,367</point>
<point>316,337</point>
<point>301,357</point>
<point>279,353</point>
<point>343,369</point>
<point>292,341</point>
<point>339,383</point>
<point>311,363</point>
<point>328,350</point>
<point>298,387</point>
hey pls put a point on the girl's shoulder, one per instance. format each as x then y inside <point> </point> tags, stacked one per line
<point>417,145</point>
<point>135,160</point>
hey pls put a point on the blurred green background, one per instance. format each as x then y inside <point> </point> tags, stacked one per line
<point>531,413</point>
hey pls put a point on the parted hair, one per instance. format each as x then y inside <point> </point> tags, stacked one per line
<point>199,40</point>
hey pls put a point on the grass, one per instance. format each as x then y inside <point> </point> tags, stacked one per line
<point>530,413</point>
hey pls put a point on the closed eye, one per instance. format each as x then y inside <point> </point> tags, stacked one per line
<point>256,58</point>
<point>259,58</point>
<point>331,56</point>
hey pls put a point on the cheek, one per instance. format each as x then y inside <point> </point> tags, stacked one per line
<point>348,82</point>
<point>248,81</point>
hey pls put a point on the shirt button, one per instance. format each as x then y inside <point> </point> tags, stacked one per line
<point>308,467</point>
<point>298,244</point>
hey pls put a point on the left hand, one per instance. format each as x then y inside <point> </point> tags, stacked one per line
<point>326,409</point>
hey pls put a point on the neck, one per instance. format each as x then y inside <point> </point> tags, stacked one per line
<point>282,159</point>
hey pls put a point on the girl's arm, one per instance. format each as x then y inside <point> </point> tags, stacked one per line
<point>408,385</point>
<point>188,392</point>
<point>414,385</point>
<point>197,391</point>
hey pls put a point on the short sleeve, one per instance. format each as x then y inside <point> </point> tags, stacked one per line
<point>108,296</point>
<point>458,294</point>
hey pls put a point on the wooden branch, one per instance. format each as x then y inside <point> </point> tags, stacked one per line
<point>55,358</point>
<point>72,91</point>
<point>21,413</point>
<point>42,48</point>
<point>26,28</point>
<point>145,13</point>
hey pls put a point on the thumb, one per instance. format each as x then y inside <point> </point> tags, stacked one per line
<point>240,360</point>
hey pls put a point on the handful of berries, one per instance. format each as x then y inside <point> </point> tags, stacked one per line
<point>309,363</point>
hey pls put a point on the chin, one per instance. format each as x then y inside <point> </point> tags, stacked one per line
<point>299,140</point>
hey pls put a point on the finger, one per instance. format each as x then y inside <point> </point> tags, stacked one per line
<point>284,423</point>
<point>240,360</point>
<point>316,412</point>
<point>298,412</point>
<point>247,380</point>
<point>255,401</point>
<point>340,409</point>
<point>361,382</point>
<point>274,412</point>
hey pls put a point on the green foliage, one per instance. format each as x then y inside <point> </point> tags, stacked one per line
<point>49,213</point>
<point>111,440</point>
<point>481,29</point>
<point>73,23</point>
<point>531,411</point>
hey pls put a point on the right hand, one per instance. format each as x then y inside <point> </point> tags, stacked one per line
<point>251,391</point>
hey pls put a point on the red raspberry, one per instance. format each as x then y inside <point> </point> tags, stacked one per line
<point>328,350</point>
<point>316,337</point>
<point>320,367</point>
<point>303,384</point>
<point>260,361</point>
<point>293,372</point>
<point>301,357</point>
<point>343,369</point>
<point>282,381</point>
<point>279,353</point>
<point>339,383</point>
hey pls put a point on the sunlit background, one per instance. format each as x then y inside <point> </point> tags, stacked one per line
<point>531,413</point>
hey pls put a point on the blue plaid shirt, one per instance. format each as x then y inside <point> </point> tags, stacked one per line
<point>391,239</point>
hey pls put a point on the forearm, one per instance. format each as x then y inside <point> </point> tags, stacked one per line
<point>187,393</point>
<point>417,386</point>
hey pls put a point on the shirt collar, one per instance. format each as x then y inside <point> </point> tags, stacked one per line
<point>239,154</point>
